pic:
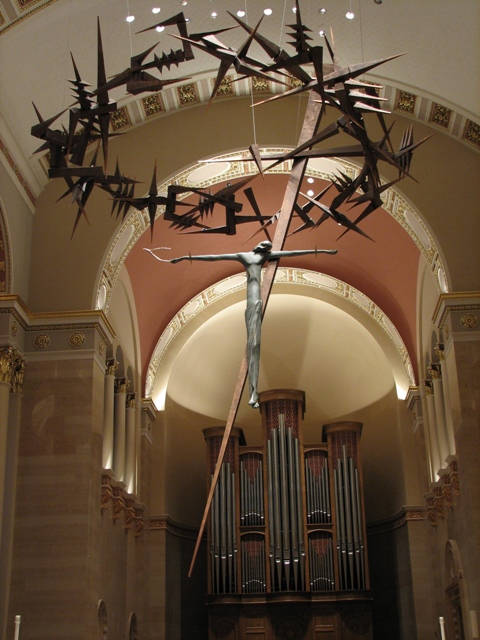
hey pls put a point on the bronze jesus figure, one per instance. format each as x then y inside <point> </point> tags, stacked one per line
<point>253,261</point>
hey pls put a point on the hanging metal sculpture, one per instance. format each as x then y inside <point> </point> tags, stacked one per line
<point>332,86</point>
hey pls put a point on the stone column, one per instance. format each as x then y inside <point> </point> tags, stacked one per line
<point>12,368</point>
<point>440,351</point>
<point>121,385</point>
<point>108,419</point>
<point>130,443</point>
<point>457,318</point>
<point>432,430</point>
<point>439,403</point>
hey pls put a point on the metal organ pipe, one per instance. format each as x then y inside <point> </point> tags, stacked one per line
<point>333,519</point>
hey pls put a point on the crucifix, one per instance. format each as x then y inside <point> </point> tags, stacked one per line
<point>310,123</point>
<point>253,261</point>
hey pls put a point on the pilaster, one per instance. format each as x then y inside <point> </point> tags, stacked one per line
<point>457,319</point>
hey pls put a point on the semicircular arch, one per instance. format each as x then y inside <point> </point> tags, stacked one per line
<point>238,165</point>
<point>288,281</point>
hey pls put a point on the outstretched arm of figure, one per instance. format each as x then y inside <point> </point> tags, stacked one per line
<point>208,258</point>
<point>276,255</point>
<point>212,258</point>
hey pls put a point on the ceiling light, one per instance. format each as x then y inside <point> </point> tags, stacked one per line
<point>240,13</point>
<point>159,29</point>
<point>184,3</point>
<point>310,180</point>
<point>350,15</point>
<point>130,18</point>
<point>310,192</point>
<point>156,10</point>
<point>268,12</point>
<point>214,14</point>
<point>322,10</point>
<point>294,9</point>
<point>321,33</point>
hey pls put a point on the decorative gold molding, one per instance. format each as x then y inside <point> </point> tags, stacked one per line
<point>48,322</point>
<point>187,94</point>
<point>405,102</point>
<point>469,321</point>
<point>406,514</point>
<point>112,366</point>
<point>471,133</point>
<point>153,105</point>
<point>466,302</point>
<point>165,523</point>
<point>12,368</point>
<point>121,385</point>
<point>76,340</point>
<point>41,341</point>
<point>440,116</point>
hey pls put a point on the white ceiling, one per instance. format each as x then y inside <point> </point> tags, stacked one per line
<point>440,62</point>
<point>307,344</point>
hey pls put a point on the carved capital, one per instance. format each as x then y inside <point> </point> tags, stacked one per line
<point>112,366</point>
<point>12,368</point>
<point>428,387</point>
<point>121,385</point>
<point>435,371</point>
<point>440,350</point>
<point>18,374</point>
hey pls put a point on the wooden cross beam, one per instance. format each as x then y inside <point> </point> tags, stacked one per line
<point>311,121</point>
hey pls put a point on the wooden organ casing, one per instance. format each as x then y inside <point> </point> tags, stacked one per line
<point>286,534</point>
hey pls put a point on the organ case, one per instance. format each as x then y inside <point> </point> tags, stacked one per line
<point>287,527</point>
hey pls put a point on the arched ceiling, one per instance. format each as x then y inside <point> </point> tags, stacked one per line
<point>385,269</point>
<point>311,342</point>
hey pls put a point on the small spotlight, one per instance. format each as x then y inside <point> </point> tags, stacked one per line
<point>159,29</point>
<point>294,9</point>
<point>130,18</point>
<point>156,10</point>
<point>322,10</point>
<point>310,180</point>
<point>310,193</point>
<point>350,15</point>
<point>214,14</point>
<point>184,3</point>
<point>268,12</point>
<point>241,13</point>
<point>321,33</point>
